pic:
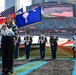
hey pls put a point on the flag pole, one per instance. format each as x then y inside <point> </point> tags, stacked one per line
<point>24,10</point>
<point>41,15</point>
<point>15,10</point>
<point>15,5</point>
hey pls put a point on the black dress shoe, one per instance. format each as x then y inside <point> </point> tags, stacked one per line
<point>74,56</point>
<point>4,73</point>
<point>27,58</point>
<point>9,73</point>
<point>42,58</point>
<point>53,58</point>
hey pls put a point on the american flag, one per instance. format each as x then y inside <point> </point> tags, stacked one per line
<point>8,11</point>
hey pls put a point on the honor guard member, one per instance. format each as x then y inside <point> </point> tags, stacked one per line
<point>42,41</point>
<point>17,41</point>
<point>74,44</point>
<point>8,45</point>
<point>53,44</point>
<point>28,42</point>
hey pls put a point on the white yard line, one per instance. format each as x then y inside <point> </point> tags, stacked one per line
<point>65,53</point>
<point>33,51</point>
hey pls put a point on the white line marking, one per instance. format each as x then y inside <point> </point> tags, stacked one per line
<point>65,53</point>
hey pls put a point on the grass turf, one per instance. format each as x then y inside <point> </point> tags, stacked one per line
<point>35,53</point>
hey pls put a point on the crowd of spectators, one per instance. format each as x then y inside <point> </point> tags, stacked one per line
<point>57,23</point>
<point>63,27</point>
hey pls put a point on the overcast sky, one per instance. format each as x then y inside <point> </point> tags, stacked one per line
<point>9,3</point>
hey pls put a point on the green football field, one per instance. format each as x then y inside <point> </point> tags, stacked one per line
<point>35,53</point>
<point>20,66</point>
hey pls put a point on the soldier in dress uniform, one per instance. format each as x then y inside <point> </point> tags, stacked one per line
<point>8,45</point>
<point>53,44</point>
<point>28,42</point>
<point>42,42</point>
<point>17,41</point>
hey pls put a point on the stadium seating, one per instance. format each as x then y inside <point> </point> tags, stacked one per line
<point>64,27</point>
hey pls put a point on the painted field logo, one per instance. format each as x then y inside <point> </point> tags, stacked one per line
<point>27,68</point>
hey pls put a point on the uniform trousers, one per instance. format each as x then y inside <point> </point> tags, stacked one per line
<point>27,50</point>
<point>8,47</point>
<point>16,54</point>
<point>42,51</point>
<point>53,50</point>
